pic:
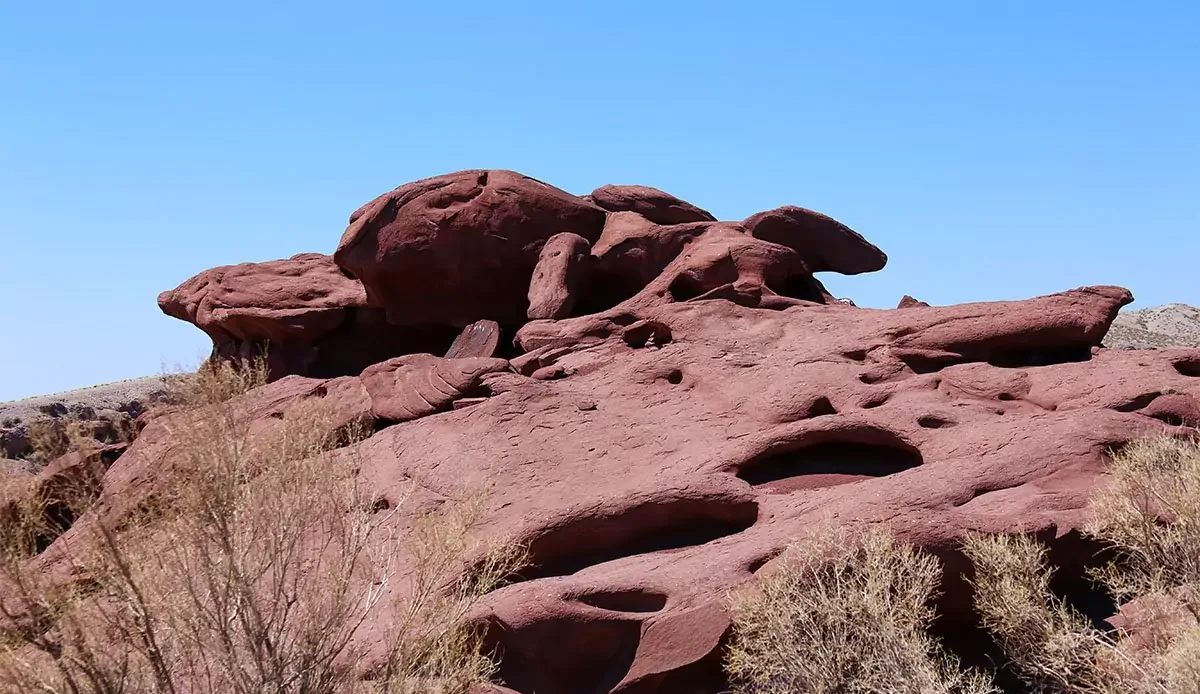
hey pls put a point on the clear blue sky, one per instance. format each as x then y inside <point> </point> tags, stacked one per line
<point>994,150</point>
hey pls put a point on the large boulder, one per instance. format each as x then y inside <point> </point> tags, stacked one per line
<point>824,243</point>
<point>461,247</point>
<point>636,258</point>
<point>417,385</point>
<point>303,313</point>
<point>653,204</point>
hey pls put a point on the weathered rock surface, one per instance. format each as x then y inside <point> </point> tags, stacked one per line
<point>825,244</point>
<point>658,445</point>
<point>417,385</point>
<point>651,203</point>
<point>302,313</point>
<point>418,264</point>
<point>461,247</point>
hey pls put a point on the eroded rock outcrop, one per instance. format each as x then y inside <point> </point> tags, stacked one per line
<point>653,204</point>
<point>459,248</point>
<point>659,443</point>
<point>424,261</point>
<point>303,314</point>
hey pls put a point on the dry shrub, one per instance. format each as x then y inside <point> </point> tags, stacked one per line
<point>214,382</point>
<point>52,438</point>
<point>1180,665</point>
<point>255,576</point>
<point>1049,646</point>
<point>843,613</point>
<point>1148,514</point>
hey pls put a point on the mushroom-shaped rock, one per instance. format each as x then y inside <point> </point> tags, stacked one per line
<point>825,244</point>
<point>417,385</point>
<point>653,204</point>
<point>458,248</point>
<point>303,313</point>
<point>295,300</point>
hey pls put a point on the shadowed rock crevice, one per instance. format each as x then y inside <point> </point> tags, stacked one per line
<point>656,526</point>
<point>568,654</point>
<point>631,600</point>
<point>1018,358</point>
<point>828,462</point>
<point>934,422</point>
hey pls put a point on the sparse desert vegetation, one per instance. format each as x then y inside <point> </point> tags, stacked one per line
<point>846,612</point>
<point>253,571</point>
<point>655,404</point>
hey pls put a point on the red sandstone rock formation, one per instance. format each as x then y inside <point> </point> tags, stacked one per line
<point>659,436</point>
<point>459,248</point>
<point>651,203</point>
<point>303,314</point>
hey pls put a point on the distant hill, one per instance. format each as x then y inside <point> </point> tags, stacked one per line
<point>1172,325</point>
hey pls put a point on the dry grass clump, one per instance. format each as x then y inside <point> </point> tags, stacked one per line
<point>255,575</point>
<point>1149,515</point>
<point>849,614</point>
<point>52,438</point>
<point>1050,647</point>
<point>843,613</point>
<point>213,382</point>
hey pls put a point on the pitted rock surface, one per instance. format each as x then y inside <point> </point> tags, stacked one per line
<point>657,446</point>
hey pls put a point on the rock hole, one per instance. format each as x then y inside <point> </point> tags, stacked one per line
<point>1168,418</point>
<point>650,527</point>
<point>869,378</point>
<point>803,286</point>
<point>933,422</point>
<point>754,566</point>
<point>675,377</point>
<point>684,289</point>
<point>875,402</point>
<point>632,600</point>
<point>929,363</point>
<point>856,355</point>
<point>365,338</point>
<point>1188,367</point>
<point>646,333</point>
<point>820,408</point>
<point>830,461</point>
<point>1017,358</point>
<point>624,319</point>
<point>1005,397</point>
<point>1137,403</point>
<point>565,654</point>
